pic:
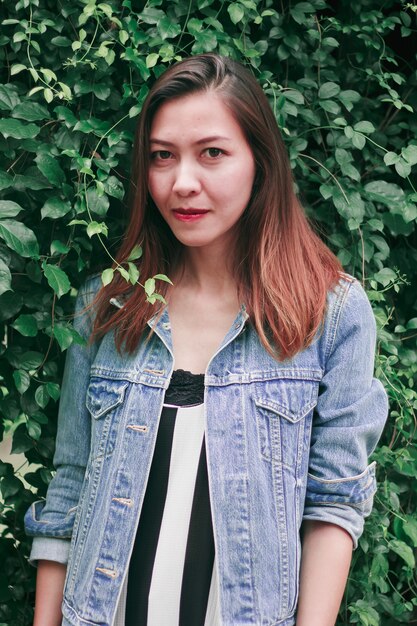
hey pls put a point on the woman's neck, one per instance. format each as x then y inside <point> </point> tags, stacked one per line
<point>205,271</point>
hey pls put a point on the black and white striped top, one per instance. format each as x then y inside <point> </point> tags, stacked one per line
<point>172,573</point>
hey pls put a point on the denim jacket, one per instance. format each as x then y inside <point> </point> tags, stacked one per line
<point>286,441</point>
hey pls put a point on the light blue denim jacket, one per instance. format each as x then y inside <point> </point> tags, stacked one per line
<point>286,442</point>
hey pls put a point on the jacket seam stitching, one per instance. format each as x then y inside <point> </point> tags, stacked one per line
<point>338,308</point>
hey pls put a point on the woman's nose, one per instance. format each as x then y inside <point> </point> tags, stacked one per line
<point>187,180</point>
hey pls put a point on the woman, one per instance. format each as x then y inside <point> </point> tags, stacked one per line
<point>190,488</point>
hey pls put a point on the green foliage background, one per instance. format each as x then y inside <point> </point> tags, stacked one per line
<point>341,79</point>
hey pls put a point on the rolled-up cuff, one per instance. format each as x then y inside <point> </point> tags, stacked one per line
<point>49,549</point>
<point>56,526</point>
<point>343,501</point>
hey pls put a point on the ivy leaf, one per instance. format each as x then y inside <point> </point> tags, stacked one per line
<point>114,187</point>
<point>149,286</point>
<point>403,168</point>
<point>348,98</point>
<point>9,97</point>
<point>236,12</point>
<point>391,157</point>
<point>156,297</point>
<point>133,273</point>
<point>64,336</point>
<point>18,130</point>
<point>8,208</point>
<point>328,90</point>
<point>294,96</point>
<point>6,180</point>
<point>385,276</point>
<point>409,212</point>
<point>364,127</point>
<point>206,41</point>
<point>135,254</point>
<point>194,26</point>
<point>58,247</point>
<point>350,170</point>
<point>150,15</point>
<point>55,207</point>
<point>54,391</point>
<point>30,111</point>
<point>51,169</point>
<point>65,114</point>
<point>26,325</point>
<point>96,228</point>
<point>168,28</point>
<point>32,179</point>
<point>41,397</point>
<point>5,277</point>
<point>107,276</point>
<point>34,429</point>
<point>383,192</point>
<point>397,225</point>
<point>78,223</point>
<point>57,279</point>
<point>410,525</point>
<point>10,486</point>
<point>124,273</point>
<point>351,207</point>
<point>358,140</point>
<point>123,36</point>
<point>10,304</point>
<point>410,154</point>
<point>404,551</point>
<point>21,440</point>
<point>97,203</point>
<point>164,278</point>
<point>330,106</point>
<point>152,59</point>
<point>19,238</point>
<point>21,380</point>
<point>299,10</point>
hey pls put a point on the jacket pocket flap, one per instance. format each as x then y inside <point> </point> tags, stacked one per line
<point>297,407</point>
<point>104,395</point>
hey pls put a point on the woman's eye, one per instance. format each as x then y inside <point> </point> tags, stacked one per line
<point>161,154</point>
<point>213,153</point>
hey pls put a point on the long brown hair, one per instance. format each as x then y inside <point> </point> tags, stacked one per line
<point>282,268</point>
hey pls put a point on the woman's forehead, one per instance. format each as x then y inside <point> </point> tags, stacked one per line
<point>197,116</point>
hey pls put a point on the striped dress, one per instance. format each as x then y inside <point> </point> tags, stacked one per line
<point>172,573</point>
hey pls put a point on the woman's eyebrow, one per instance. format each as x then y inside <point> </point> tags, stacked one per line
<point>163,142</point>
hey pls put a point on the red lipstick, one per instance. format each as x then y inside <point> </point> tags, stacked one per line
<point>189,215</point>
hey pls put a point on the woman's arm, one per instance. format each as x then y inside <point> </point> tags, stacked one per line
<point>325,561</point>
<point>49,591</point>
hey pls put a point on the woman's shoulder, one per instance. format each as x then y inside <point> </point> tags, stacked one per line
<point>347,292</point>
<point>90,288</point>
<point>348,311</point>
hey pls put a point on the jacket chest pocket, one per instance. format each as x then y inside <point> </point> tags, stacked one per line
<point>105,401</point>
<point>283,415</point>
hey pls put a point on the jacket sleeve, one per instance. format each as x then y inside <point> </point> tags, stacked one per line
<point>50,522</point>
<point>349,418</point>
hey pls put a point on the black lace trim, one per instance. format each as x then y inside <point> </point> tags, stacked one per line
<point>185,389</point>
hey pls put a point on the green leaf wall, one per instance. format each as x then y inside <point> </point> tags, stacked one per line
<point>341,78</point>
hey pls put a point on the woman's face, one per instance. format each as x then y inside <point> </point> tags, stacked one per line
<point>201,170</point>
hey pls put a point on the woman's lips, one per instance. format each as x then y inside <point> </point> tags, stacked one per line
<point>189,215</point>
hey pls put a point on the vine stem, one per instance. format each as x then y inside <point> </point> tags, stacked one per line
<point>92,40</point>
<point>307,156</point>
<point>85,187</point>
<point>48,86</point>
<point>190,3</point>
<point>363,255</point>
